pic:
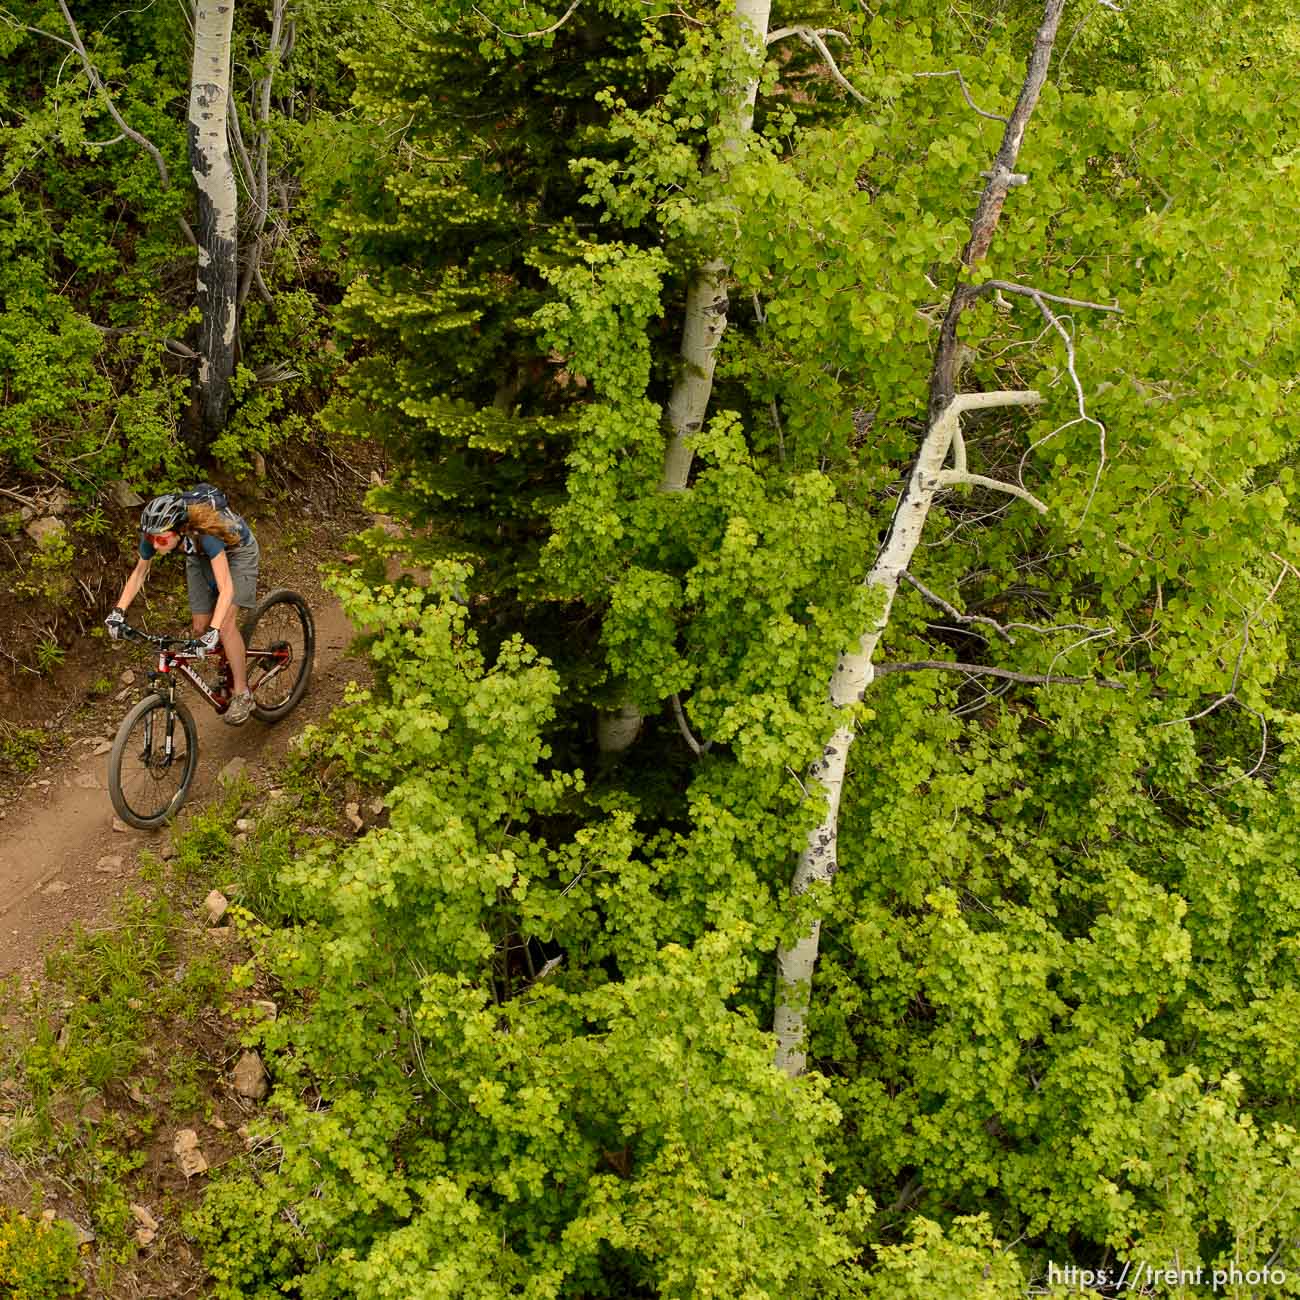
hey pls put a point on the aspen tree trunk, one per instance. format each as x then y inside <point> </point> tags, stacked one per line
<point>706,322</point>
<point>214,178</point>
<point>706,295</point>
<point>853,671</point>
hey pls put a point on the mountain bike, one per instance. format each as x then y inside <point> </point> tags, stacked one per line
<point>154,756</point>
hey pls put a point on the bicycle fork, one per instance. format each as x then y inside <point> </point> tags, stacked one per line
<point>168,694</point>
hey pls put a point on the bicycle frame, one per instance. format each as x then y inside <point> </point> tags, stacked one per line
<point>173,662</point>
<point>170,662</point>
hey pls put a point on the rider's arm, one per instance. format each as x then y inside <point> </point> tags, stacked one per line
<point>134,583</point>
<point>225,588</point>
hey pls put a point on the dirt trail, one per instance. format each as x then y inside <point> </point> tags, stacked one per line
<point>54,838</point>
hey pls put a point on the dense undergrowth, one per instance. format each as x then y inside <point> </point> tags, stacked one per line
<point>527,985</point>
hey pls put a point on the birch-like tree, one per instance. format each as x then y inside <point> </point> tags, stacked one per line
<point>943,438</point>
<point>218,209</point>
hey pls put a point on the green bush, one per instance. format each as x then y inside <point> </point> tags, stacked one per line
<point>38,1259</point>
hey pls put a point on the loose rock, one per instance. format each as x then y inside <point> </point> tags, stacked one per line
<point>216,905</point>
<point>124,495</point>
<point>351,812</point>
<point>266,1007</point>
<point>376,806</point>
<point>104,747</point>
<point>56,887</point>
<point>110,862</point>
<point>147,1228</point>
<point>249,1077</point>
<point>190,1158</point>
<point>119,825</point>
<point>233,770</point>
<point>127,678</point>
<point>244,824</point>
<point>45,527</point>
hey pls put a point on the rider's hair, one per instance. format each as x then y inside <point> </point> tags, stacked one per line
<point>204,519</point>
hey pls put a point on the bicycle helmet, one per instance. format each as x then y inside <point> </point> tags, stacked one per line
<point>163,514</point>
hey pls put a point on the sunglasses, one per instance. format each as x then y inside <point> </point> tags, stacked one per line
<point>160,539</point>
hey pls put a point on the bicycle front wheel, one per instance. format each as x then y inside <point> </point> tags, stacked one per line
<point>152,762</point>
<point>281,641</point>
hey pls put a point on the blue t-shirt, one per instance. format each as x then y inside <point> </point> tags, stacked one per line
<point>202,545</point>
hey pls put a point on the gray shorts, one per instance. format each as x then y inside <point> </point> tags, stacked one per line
<point>202,585</point>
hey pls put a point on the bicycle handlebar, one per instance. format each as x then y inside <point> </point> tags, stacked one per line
<point>163,642</point>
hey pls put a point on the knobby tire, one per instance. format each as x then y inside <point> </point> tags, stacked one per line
<point>129,744</point>
<point>282,617</point>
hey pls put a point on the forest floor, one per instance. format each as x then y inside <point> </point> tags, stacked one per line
<point>121,1025</point>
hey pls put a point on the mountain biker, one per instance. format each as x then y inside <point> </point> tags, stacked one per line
<point>221,561</point>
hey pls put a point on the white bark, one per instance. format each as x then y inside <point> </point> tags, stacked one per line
<point>706,298</point>
<point>214,177</point>
<point>706,321</point>
<point>853,671</point>
<point>617,729</point>
<point>852,676</point>
<point>706,295</point>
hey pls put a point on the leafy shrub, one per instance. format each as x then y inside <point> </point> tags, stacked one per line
<point>38,1259</point>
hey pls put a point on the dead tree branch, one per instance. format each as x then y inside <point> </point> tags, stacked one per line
<point>684,727</point>
<point>814,37</point>
<point>953,612</point>
<point>174,346</point>
<point>1083,417</point>
<point>92,75</point>
<point>527,36</point>
<point>953,478</point>
<point>1028,291</point>
<point>961,81</point>
<point>1230,695</point>
<point>1028,679</point>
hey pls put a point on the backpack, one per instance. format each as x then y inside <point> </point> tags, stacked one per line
<point>205,494</point>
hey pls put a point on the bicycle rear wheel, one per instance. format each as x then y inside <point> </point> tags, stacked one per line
<point>148,777</point>
<point>281,641</point>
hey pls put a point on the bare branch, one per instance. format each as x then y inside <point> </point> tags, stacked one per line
<point>952,478</point>
<point>524,36</point>
<point>174,346</point>
<point>696,748</point>
<point>1028,679</point>
<point>943,377</point>
<point>1263,750</point>
<point>11,21</point>
<point>958,448</point>
<point>984,401</point>
<point>1083,417</point>
<point>961,81</point>
<point>1025,290</point>
<point>953,612</point>
<point>92,75</point>
<point>813,36</point>
<point>245,164</point>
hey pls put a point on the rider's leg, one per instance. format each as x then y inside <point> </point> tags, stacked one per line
<point>234,646</point>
